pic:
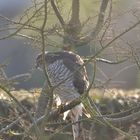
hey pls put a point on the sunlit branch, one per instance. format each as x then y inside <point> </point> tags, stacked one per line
<point>22,107</point>
<point>93,34</point>
<point>57,13</point>
<point>22,26</point>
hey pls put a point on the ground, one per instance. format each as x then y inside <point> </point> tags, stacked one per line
<point>109,101</point>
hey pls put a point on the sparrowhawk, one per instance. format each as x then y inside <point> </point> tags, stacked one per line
<point>66,66</point>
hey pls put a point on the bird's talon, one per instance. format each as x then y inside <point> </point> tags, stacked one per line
<point>60,108</point>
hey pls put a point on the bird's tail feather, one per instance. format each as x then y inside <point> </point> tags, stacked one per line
<point>74,115</point>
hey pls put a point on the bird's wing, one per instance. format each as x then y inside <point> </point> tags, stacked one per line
<point>80,80</point>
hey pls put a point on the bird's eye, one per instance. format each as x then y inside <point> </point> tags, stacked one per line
<point>38,61</point>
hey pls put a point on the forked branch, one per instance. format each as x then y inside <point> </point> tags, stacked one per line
<point>100,22</point>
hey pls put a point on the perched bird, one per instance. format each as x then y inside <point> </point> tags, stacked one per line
<point>66,66</point>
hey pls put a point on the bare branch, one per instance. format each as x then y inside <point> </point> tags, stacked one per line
<point>42,101</point>
<point>74,23</point>
<point>27,26</point>
<point>9,126</point>
<point>113,40</point>
<point>106,61</point>
<point>113,118</point>
<point>23,25</point>
<point>46,95</point>
<point>23,109</point>
<point>101,17</point>
<point>108,20</point>
<point>75,12</point>
<point>99,25</point>
<point>57,13</point>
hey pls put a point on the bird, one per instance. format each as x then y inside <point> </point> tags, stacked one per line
<point>67,68</point>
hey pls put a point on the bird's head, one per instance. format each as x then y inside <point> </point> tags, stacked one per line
<point>39,60</point>
<point>50,57</point>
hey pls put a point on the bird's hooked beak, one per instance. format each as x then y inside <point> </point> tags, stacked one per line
<point>36,66</point>
<point>38,61</point>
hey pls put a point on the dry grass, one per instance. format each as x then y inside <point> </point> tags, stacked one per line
<point>108,100</point>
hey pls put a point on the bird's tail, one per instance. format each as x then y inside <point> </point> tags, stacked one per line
<point>74,115</point>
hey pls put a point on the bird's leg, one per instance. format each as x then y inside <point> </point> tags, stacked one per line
<point>60,108</point>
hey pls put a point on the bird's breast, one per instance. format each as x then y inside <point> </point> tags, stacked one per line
<point>62,79</point>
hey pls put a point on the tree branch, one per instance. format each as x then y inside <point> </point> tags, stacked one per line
<point>23,110</point>
<point>75,20</point>
<point>99,25</point>
<point>57,13</point>
<point>23,25</point>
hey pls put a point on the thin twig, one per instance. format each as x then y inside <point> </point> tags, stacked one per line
<point>9,126</point>
<point>57,13</point>
<point>23,109</point>
<point>99,25</point>
<point>22,26</point>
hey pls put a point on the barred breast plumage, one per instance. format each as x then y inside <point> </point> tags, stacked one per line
<point>58,73</point>
<point>65,67</point>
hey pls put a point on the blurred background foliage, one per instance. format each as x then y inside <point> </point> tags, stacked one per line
<point>108,102</point>
<point>19,49</point>
<point>19,52</point>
